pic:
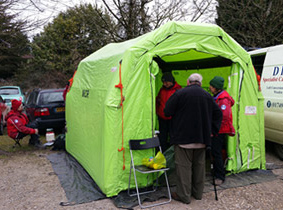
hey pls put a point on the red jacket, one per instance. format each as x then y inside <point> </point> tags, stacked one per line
<point>68,86</point>
<point>16,122</point>
<point>3,107</point>
<point>225,102</point>
<point>65,91</point>
<point>163,95</point>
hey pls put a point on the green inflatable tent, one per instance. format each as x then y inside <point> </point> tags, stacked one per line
<point>112,99</point>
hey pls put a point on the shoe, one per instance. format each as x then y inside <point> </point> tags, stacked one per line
<point>39,146</point>
<point>31,144</point>
<point>175,196</point>
<point>197,197</point>
<point>218,182</point>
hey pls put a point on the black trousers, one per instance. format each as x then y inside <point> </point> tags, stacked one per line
<point>164,127</point>
<point>34,138</point>
<point>217,144</point>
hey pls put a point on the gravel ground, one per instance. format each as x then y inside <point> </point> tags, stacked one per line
<point>28,182</point>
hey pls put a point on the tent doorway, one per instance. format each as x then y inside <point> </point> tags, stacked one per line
<point>191,61</point>
<point>182,65</point>
<point>208,66</point>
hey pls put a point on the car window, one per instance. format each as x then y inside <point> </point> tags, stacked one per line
<point>50,97</point>
<point>35,97</point>
<point>31,98</point>
<point>9,91</point>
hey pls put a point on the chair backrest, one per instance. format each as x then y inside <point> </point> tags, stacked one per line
<point>141,144</point>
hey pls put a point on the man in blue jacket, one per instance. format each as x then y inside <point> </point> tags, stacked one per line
<point>195,119</point>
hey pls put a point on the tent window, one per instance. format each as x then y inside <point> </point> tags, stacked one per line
<point>193,64</point>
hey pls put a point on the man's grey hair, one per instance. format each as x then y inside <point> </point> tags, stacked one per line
<point>195,78</point>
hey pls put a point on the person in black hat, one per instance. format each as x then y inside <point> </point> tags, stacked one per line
<point>225,102</point>
<point>169,87</point>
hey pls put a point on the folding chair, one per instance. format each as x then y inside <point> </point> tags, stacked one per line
<point>143,144</point>
<point>17,142</point>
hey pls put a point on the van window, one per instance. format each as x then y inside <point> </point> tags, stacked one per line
<point>258,61</point>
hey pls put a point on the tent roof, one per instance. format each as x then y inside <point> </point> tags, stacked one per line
<point>152,39</point>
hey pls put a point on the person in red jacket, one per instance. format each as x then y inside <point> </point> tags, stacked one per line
<point>18,125</point>
<point>68,86</point>
<point>3,110</point>
<point>169,87</point>
<point>225,102</point>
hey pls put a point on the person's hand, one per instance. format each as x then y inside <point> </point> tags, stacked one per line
<point>36,131</point>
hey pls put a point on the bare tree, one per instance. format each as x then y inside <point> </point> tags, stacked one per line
<point>38,13</point>
<point>136,17</point>
<point>204,10</point>
<point>133,17</point>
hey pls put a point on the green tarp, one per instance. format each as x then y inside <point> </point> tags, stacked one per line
<point>99,126</point>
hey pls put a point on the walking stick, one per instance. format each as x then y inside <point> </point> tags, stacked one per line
<point>212,173</point>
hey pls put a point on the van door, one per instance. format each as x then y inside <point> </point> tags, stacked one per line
<point>272,90</point>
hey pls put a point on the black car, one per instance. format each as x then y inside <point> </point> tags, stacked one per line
<point>47,107</point>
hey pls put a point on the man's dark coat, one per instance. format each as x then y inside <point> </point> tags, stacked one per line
<point>195,116</point>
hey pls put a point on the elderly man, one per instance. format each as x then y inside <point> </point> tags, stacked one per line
<point>195,118</point>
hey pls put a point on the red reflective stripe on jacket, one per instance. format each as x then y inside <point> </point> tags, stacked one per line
<point>225,102</point>
<point>16,122</point>
<point>162,97</point>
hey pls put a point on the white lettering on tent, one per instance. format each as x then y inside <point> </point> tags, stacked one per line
<point>250,110</point>
<point>113,69</point>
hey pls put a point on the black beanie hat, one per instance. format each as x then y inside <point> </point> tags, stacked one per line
<point>168,77</point>
<point>217,82</point>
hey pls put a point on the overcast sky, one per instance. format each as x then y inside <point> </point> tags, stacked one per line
<point>34,11</point>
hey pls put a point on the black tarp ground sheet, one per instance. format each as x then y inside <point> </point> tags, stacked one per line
<point>81,188</point>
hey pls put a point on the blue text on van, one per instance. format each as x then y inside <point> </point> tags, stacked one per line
<point>276,70</point>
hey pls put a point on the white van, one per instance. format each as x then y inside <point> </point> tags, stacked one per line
<point>268,63</point>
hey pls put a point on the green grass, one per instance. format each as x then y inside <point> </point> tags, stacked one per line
<point>7,143</point>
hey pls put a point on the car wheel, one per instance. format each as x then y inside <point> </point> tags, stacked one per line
<point>279,150</point>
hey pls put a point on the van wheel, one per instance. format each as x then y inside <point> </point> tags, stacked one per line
<point>279,150</point>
